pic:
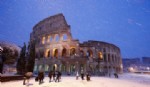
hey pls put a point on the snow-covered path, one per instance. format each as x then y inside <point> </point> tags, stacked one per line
<point>125,80</point>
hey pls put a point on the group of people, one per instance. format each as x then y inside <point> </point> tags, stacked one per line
<point>115,75</point>
<point>56,76</point>
<point>53,76</point>
<point>82,76</point>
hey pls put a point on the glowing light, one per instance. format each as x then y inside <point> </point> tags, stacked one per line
<point>43,40</point>
<point>148,68</point>
<point>100,55</point>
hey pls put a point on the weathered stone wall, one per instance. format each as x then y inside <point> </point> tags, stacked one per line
<point>57,50</point>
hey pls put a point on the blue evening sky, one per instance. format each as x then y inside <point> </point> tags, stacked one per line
<point>125,23</point>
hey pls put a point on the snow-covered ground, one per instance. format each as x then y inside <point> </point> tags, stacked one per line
<point>125,80</point>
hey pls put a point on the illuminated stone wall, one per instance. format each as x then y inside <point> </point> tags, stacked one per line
<point>57,50</point>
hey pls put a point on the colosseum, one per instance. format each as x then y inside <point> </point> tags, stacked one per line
<point>56,50</point>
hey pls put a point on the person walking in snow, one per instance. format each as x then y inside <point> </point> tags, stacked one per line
<point>88,77</point>
<point>116,75</point>
<point>41,77</point>
<point>54,75</point>
<point>77,75</point>
<point>50,75</point>
<point>26,77</point>
<point>82,75</point>
<point>58,76</point>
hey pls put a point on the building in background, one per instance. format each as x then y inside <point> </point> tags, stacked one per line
<point>146,60</point>
<point>129,63</point>
<point>136,64</point>
<point>56,50</point>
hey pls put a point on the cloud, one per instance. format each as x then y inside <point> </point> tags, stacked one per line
<point>133,22</point>
<point>138,24</point>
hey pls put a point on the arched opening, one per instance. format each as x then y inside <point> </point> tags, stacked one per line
<point>63,68</point>
<point>47,53</point>
<point>81,53</point>
<point>72,51</point>
<point>41,52</point>
<point>64,52</point>
<point>50,39</point>
<point>64,37</point>
<point>89,53</point>
<point>40,67</point>
<point>55,67</point>
<point>72,68</point>
<point>81,67</point>
<point>43,40</point>
<point>56,38</point>
<point>108,57</point>
<point>113,59</point>
<point>100,55</point>
<point>46,68</point>
<point>55,53</point>
<point>105,60</point>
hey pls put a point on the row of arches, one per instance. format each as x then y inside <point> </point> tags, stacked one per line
<point>55,38</point>
<point>63,53</point>
<point>73,68</point>
<point>55,53</point>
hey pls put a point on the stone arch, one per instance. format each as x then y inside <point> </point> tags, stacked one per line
<point>104,57</point>
<point>55,67</point>
<point>48,38</point>
<point>55,53</point>
<point>113,59</point>
<point>65,37</point>
<point>100,55</point>
<point>57,38</point>
<point>72,51</point>
<point>46,68</point>
<point>82,67</point>
<point>104,49</point>
<point>43,40</point>
<point>72,68</point>
<point>109,58</point>
<point>41,53</point>
<point>47,53</point>
<point>81,53</point>
<point>89,53</point>
<point>64,68</point>
<point>64,52</point>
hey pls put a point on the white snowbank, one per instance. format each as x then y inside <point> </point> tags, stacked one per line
<point>125,80</point>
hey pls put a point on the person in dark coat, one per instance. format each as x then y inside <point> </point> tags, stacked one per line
<point>50,75</point>
<point>54,75</point>
<point>88,77</point>
<point>27,76</point>
<point>41,77</point>
<point>82,75</point>
<point>116,75</point>
<point>58,76</point>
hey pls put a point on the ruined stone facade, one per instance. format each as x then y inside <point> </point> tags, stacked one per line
<point>57,50</point>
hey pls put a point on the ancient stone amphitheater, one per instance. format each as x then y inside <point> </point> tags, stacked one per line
<point>56,50</point>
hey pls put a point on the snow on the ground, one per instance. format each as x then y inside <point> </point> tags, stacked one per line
<point>125,80</point>
<point>139,78</point>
